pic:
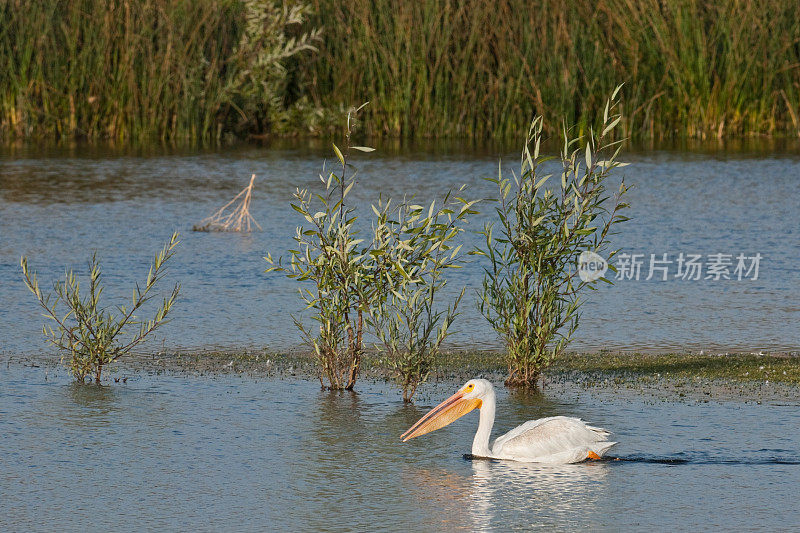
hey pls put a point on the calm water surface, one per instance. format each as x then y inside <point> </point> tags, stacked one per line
<point>58,205</point>
<point>239,453</point>
<point>235,453</point>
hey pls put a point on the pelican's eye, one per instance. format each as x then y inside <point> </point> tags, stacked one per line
<point>469,387</point>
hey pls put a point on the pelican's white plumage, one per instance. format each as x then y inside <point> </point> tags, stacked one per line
<point>557,439</point>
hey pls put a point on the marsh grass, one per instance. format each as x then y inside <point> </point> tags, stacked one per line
<point>481,69</point>
<point>237,218</point>
<point>146,70</point>
<point>213,69</point>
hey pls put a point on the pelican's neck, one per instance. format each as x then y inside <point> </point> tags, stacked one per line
<point>480,444</point>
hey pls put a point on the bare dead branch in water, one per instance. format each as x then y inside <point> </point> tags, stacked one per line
<point>238,219</point>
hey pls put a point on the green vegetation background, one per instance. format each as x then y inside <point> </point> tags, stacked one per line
<point>218,69</point>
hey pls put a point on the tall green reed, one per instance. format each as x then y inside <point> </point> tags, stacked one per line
<point>175,69</point>
<point>472,68</point>
<point>150,69</point>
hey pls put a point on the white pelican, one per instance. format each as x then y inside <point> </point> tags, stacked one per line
<point>556,439</point>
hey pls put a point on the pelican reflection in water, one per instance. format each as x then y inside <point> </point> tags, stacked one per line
<point>565,496</point>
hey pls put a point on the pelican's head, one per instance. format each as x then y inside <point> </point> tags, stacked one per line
<point>468,397</point>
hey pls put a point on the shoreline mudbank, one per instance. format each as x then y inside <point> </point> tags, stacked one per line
<point>752,377</point>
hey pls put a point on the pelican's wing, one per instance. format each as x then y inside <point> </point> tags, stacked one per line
<point>553,439</point>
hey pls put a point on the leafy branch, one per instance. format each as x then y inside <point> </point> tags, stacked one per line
<point>89,334</point>
<point>530,293</point>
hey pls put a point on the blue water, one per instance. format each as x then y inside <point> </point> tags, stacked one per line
<point>58,205</point>
<point>235,453</point>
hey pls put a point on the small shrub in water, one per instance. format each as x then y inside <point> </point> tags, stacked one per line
<point>419,243</point>
<point>330,255</point>
<point>531,290</point>
<point>387,281</point>
<point>91,335</point>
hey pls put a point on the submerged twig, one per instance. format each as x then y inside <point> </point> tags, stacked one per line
<point>238,219</point>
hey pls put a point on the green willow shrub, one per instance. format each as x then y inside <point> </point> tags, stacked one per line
<point>385,281</point>
<point>92,335</point>
<point>420,243</point>
<point>331,256</point>
<point>257,89</point>
<point>531,290</point>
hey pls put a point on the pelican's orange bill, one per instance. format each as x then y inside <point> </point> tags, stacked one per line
<point>446,412</point>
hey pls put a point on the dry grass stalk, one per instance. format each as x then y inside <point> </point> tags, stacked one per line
<point>238,219</point>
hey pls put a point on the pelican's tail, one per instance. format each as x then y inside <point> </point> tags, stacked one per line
<point>599,449</point>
